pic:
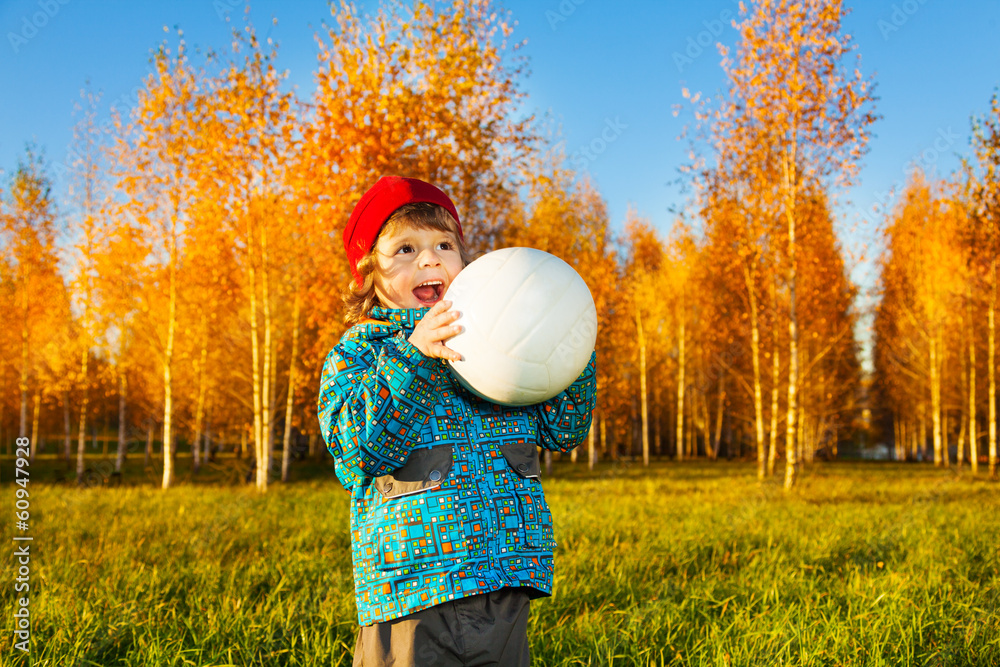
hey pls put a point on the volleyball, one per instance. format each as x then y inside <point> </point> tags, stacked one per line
<point>528,326</point>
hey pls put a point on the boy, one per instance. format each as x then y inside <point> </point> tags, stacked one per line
<point>449,527</point>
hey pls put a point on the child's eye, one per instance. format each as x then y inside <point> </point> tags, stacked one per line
<point>445,245</point>
<point>405,248</point>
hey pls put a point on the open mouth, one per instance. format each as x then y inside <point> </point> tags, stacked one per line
<point>429,292</point>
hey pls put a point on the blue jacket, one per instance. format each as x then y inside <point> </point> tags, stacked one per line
<point>446,500</point>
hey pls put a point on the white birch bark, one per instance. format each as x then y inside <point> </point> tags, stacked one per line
<point>642,387</point>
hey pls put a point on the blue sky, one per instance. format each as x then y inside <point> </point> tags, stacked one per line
<point>596,67</point>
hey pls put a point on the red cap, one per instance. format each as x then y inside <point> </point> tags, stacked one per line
<point>378,204</point>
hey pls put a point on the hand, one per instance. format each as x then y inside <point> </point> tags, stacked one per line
<point>436,327</point>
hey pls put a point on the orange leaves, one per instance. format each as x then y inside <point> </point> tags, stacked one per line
<point>791,128</point>
<point>428,94</point>
<point>787,77</point>
<point>923,285</point>
<point>924,255</point>
<point>32,293</point>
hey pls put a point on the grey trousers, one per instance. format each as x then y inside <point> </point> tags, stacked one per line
<point>480,630</point>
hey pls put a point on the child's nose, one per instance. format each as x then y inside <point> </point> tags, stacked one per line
<point>429,257</point>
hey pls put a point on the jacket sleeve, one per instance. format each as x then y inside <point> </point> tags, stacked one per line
<point>373,403</point>
<point>565,418</point>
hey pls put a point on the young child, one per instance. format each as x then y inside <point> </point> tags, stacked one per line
<point>449,527</point>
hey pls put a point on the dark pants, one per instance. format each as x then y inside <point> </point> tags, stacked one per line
<point>480,630</point>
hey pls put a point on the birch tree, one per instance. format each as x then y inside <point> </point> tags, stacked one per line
<point>89,203</point>
<point>249,125</point>
<point>647,298</point>
<point>985,241</point>
<point>30,226</point>
<point>810,113</point>
<point>157,191</point>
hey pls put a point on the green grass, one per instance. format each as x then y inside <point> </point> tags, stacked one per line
<point>687,564</point>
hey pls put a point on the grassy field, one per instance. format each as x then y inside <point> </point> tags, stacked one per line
<point>687,564</point>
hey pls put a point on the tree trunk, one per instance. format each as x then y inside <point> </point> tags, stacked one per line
<point>258,408</point>
<point>149,443</point>
<point>591,445</point>
<point>922,435</point>
<point>810,427</point>
<point>680,386</point>
<point>973,436</point>
<point>720,409</point>
<point>272,402</point>
<point>122,426</point>
<point>37,403</point>
<point>206,452</point>
<point>264,452</point>
<point>670,448</point>
<point>81,442</point>
<point>907,430</point>
<point>634,424</point>
<point>608,449</point>
<point>944,437</point>
<point>658,421</point>
<point>895,436</point>
<point>691,430</point>
<point>67,428</point>
<point>791,461</point>
<point>772,455</point>
<point>935,400</point>
<point>961,441</point>
<point>3,435</point>
<point>962,420</point>
<point>642,387</point>
<point>258,426</point>
<point>22,429</point>
<point>991,368</point>
<point>749,277</point>
<point>286,448</point>
<point>199,409</point>
<point>790,191</point>
<point>168,359</point>
<point>800,433</point>
<point>706,424</point>
<point>903,444</point>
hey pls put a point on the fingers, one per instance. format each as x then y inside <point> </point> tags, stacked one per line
<point>439,314</point>
<point>442,331</point>
<point>438,307</point>
<point>435,328</point>
<point>447,330</point>
<point>438,319</point>
<point>442,351</point>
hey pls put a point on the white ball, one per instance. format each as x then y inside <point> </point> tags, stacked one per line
<point>529,326</point>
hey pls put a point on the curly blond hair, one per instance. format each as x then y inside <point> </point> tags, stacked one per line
<point>360,299</point>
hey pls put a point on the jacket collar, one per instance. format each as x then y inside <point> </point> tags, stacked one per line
<point>399,318</point>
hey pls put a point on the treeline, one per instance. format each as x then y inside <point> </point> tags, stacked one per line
<point>935,352</point>
<point>186,288</point>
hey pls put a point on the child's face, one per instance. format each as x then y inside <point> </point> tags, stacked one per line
<point>415,266</point>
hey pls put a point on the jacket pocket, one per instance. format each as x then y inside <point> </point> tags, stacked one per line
<point>522,458</point>
<point>536,520</point>
<point>426,469</point>
<point>533,513</point>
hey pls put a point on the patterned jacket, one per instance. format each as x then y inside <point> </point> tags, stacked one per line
<point>446,500</point>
